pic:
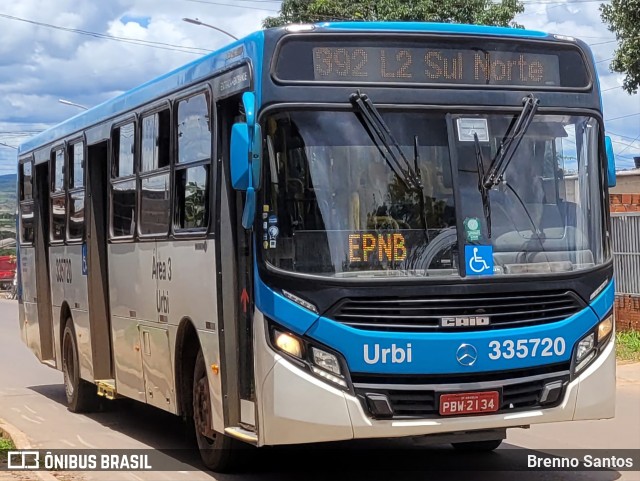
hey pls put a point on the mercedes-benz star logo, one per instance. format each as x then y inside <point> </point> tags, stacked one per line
<point>466,355</point>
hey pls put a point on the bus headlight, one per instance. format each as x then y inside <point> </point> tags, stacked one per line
<point>585,346</point>
<point>288,343</point>
<point>590,345</point>
<point>605,328</point>
<point>326,361</point>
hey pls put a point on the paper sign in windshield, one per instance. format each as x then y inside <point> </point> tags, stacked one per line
<point>469,128</point>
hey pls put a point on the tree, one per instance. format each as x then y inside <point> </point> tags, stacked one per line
<point>482,12</point>
<point>623,19</point>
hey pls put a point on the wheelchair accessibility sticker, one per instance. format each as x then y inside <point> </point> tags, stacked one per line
<point>479,260</point>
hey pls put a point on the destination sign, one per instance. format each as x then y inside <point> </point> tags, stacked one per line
<point>420,65</point>
<point>489,63</point>
<point>232,82</point>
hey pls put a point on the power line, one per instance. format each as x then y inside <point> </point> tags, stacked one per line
<point>601,43</point>
<point>626,144</point>
<point>236,6</point>
<point>20,133</point>
<point>630,145</point>
<point>133,41</point>
<point>622,117</point>
<point>620,135</point>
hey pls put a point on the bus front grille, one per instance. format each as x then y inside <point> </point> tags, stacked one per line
<point>425,313</point>
<point>423,401</point>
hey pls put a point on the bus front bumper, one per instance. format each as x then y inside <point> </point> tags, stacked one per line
<point>295,407</point>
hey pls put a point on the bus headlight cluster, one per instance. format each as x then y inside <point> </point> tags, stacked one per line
<point>590,345</point>
<point>318,361</point>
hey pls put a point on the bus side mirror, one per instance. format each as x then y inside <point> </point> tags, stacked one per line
<point>611,162</point>
<point>240,156</point>
<point>246,158</point>
<point>242,170</point>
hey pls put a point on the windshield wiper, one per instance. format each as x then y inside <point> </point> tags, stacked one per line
<point>390,149</point>
<point>384,140</point>
<point>511,142</point>
<point>484,190</point>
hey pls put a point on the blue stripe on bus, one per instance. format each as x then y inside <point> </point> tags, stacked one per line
<point>432,353</point>
<point>603,303</point>
<point>433,27</point>
<point>280,309</point>
<point>435,353</point>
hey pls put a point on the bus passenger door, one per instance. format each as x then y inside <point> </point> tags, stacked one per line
<point>236,293</point>
<point>43,281</point>
<point>95,260</point>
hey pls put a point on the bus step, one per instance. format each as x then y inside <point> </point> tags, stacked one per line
<point>107,388</point>
<point>50,363</point>
<point>242,435</point>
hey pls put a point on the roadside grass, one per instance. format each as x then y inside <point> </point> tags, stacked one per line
<point>6,444</point>
<point>628,345</point>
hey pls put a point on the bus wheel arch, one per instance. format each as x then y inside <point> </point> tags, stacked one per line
<point>81,395</point>
<point>218,451</point>
<point>186,351</point>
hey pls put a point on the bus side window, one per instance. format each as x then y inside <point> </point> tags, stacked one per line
<point>58,197</point>
<point>154,173</point>
<point>75,230</point>
<point>123,183</point>
<point>26,203</point>
<point>192,191</point>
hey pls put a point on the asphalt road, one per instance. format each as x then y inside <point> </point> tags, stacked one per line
<point>32,399</point>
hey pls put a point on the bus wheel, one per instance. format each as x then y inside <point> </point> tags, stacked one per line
<point>81,395</point>
<point>478,446</point>
<point>218,452</point>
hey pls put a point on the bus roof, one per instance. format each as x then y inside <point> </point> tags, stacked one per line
<point>432,27</point>
<point>216,61</point>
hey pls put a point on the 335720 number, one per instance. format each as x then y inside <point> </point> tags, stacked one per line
<point>522,348</point>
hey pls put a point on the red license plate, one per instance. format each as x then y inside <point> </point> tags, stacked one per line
<point>469,403</point>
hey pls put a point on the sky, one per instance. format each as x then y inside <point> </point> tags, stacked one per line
<point>87,51</point>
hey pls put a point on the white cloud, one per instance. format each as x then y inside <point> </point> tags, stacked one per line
<point>39,65</point>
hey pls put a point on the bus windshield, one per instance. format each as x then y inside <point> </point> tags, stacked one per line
<point>334,206</point>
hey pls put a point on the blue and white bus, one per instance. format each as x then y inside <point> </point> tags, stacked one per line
<point>331,232</point>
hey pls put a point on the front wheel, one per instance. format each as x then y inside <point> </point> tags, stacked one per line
<point>478,446</point>
<point>81,395</point>
<point>218,452</point>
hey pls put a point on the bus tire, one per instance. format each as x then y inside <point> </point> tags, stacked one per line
<point>478,446</point>
<point>81,395</point>
<point>218,452</point>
